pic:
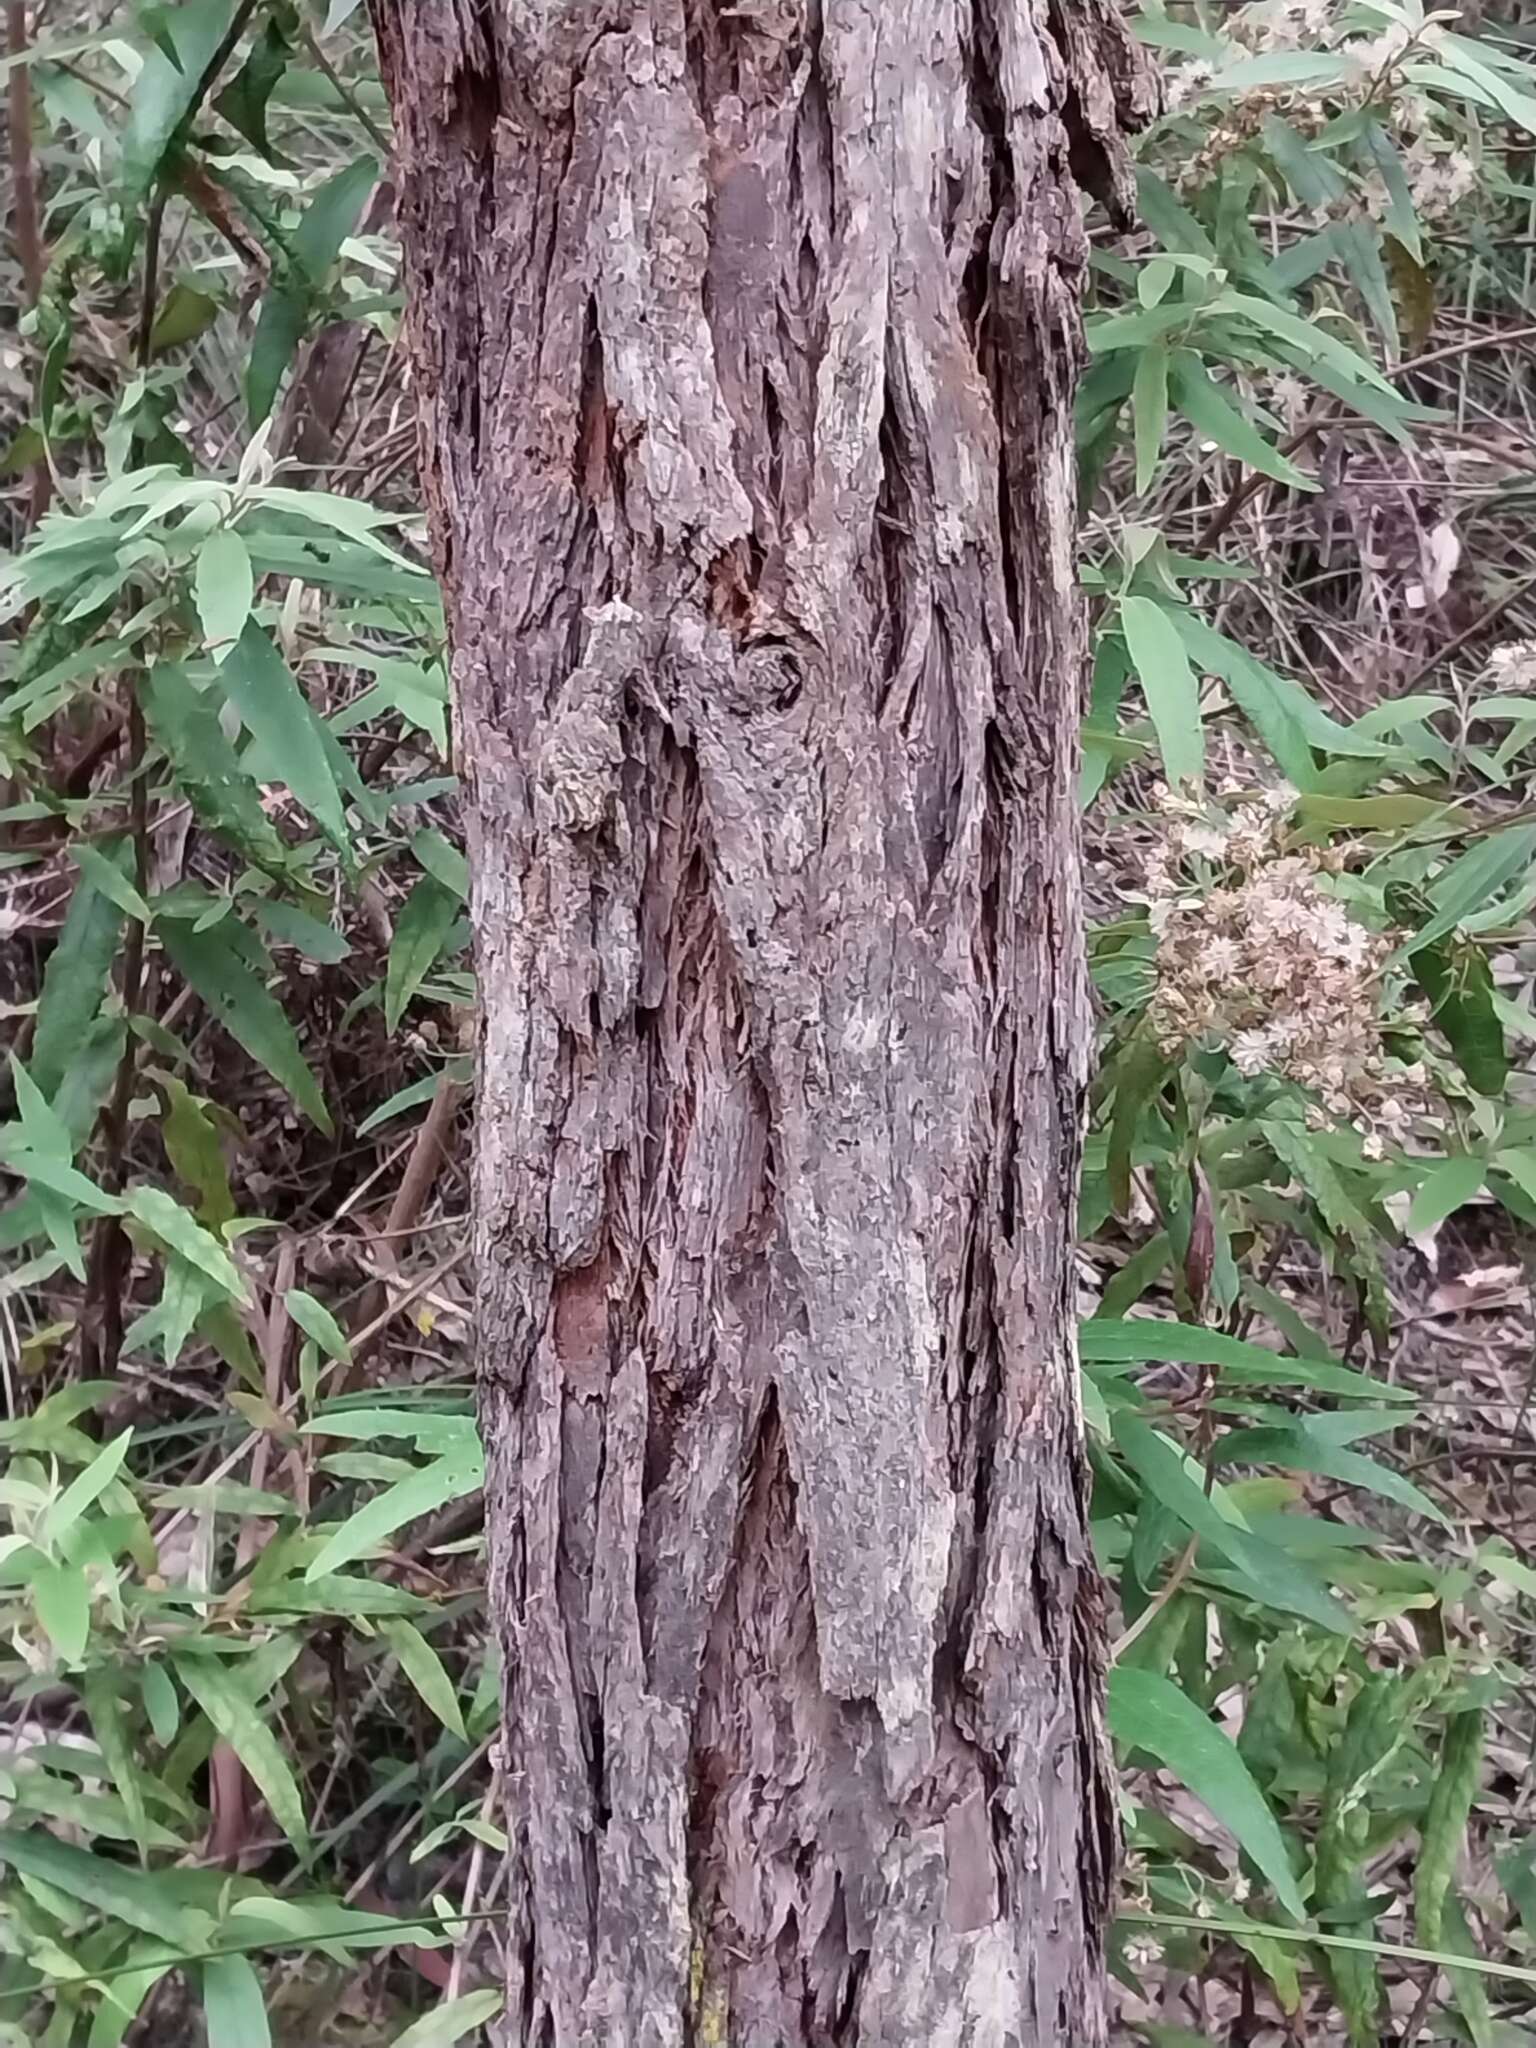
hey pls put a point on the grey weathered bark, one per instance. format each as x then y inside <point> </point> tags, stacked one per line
<point>747,339</point>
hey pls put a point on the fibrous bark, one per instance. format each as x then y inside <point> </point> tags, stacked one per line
<point>747,337</point>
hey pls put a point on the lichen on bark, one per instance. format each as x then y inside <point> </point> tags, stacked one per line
<point>747,339</point>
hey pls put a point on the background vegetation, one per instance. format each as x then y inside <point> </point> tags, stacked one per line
<point>247,1761</point>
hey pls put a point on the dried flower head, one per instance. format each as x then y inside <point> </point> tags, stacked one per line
<point>1258,955</point>
<point>1513,666</point>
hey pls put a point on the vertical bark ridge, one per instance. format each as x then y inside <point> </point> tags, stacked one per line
<point>747,339</point>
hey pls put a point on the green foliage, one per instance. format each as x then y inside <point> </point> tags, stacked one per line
<point>1310,1017</point>
<point>258,662</point>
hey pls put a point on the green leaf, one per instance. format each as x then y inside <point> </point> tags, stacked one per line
<point>1445,1823</point>
<point>123,1994</point>
<point>275,711</point>
<point>1298,1450</point>
<point>160,1703</point>
<point>225,588</point>
<point>84,1490</point>
<point>1279,67</point>
<point>1138,1072</point>
<point>185,723</point>
<point>74,982</point>
<point>1464,1004</point>
<point>1146,1340</point>
<point>448,2023</point>
<point>1473,881</point>
<point>1449,1185</point>
<point>234,2009</point>
<point>63,1605</point>
<point>1168,683</point>
<point>422,1666</point>
<point>426,918</point>
<point>195,1149</point>
<point>1286,718</point>
<point>243,102</point>
<point>105,875</point>
<point>447,1478</point>
<point>288,307</point>
<point>1146,1712</point>
<point>288,925</point>
<point>1360,249</point>
<point>218,970</point>
<point>164,92</point>
<point>442,861</point>
<point>1149,411</point>
<point>176,1227</point>
<point>236,1716</point>
<point>1275,1579</point>
<point>415,1093</point>
<point>100,1688</point>
<point>317,1322</point>
<point>331,216</point>
<point>428,1431</point>
<point>137,1898</point>
<point>1207,410</point>
<point>279,329</point>
<point>185,314</point>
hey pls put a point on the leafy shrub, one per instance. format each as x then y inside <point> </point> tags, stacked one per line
<point>225,727</point>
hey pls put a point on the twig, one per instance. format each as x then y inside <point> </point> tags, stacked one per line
<point>1158,1602</point>
<point>28,230</point>
<point>29,240</point>
<point>151,292</point>
<point>109,1250</point>
<point>416,1184</point>
<point>1253,481</point>
<point>472,1885</point>
<point>1496,610</point>
<point>348,97</point>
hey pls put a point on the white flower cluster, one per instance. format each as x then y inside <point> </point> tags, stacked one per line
<point>1255,954</point>
<point>1438,174</point>
<point>1438,181</point>
<point>1512,667</point>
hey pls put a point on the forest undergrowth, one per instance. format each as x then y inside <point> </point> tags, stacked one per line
<point>248,1785</point>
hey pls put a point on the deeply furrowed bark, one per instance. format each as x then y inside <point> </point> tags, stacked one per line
<point>747,339</point>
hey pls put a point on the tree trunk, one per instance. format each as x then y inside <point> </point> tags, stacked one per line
<point>747,339</point>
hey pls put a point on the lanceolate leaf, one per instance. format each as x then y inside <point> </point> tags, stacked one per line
<point>423,1667</point>
<point>164,92</point>
<point>225,589</point>
<point>451,2022</point>
<point>449,1478</point>
<point>186,725</point>
<point>1464,1005</point>
<point>1148,1713</point>
<point>1145,1340</point>
<point>1149,411</point>
<point>217,969</point>
<point>1168,683</point>
<point>112,1888</point>
<point>329,218</point>
<point>1445,1823</point>
<point>176,1227</point>
<point>1207,409</point>
<point>74,982</point>
<point>63,1603</point>
<point>426,918</point>
<point>1276,1579</point>
<point>234,2007</point>
<point>244,1725</point>
<point>1447,1186</point>
<point>275,711</point>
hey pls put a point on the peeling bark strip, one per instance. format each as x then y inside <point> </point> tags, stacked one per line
<point>747,337</point>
